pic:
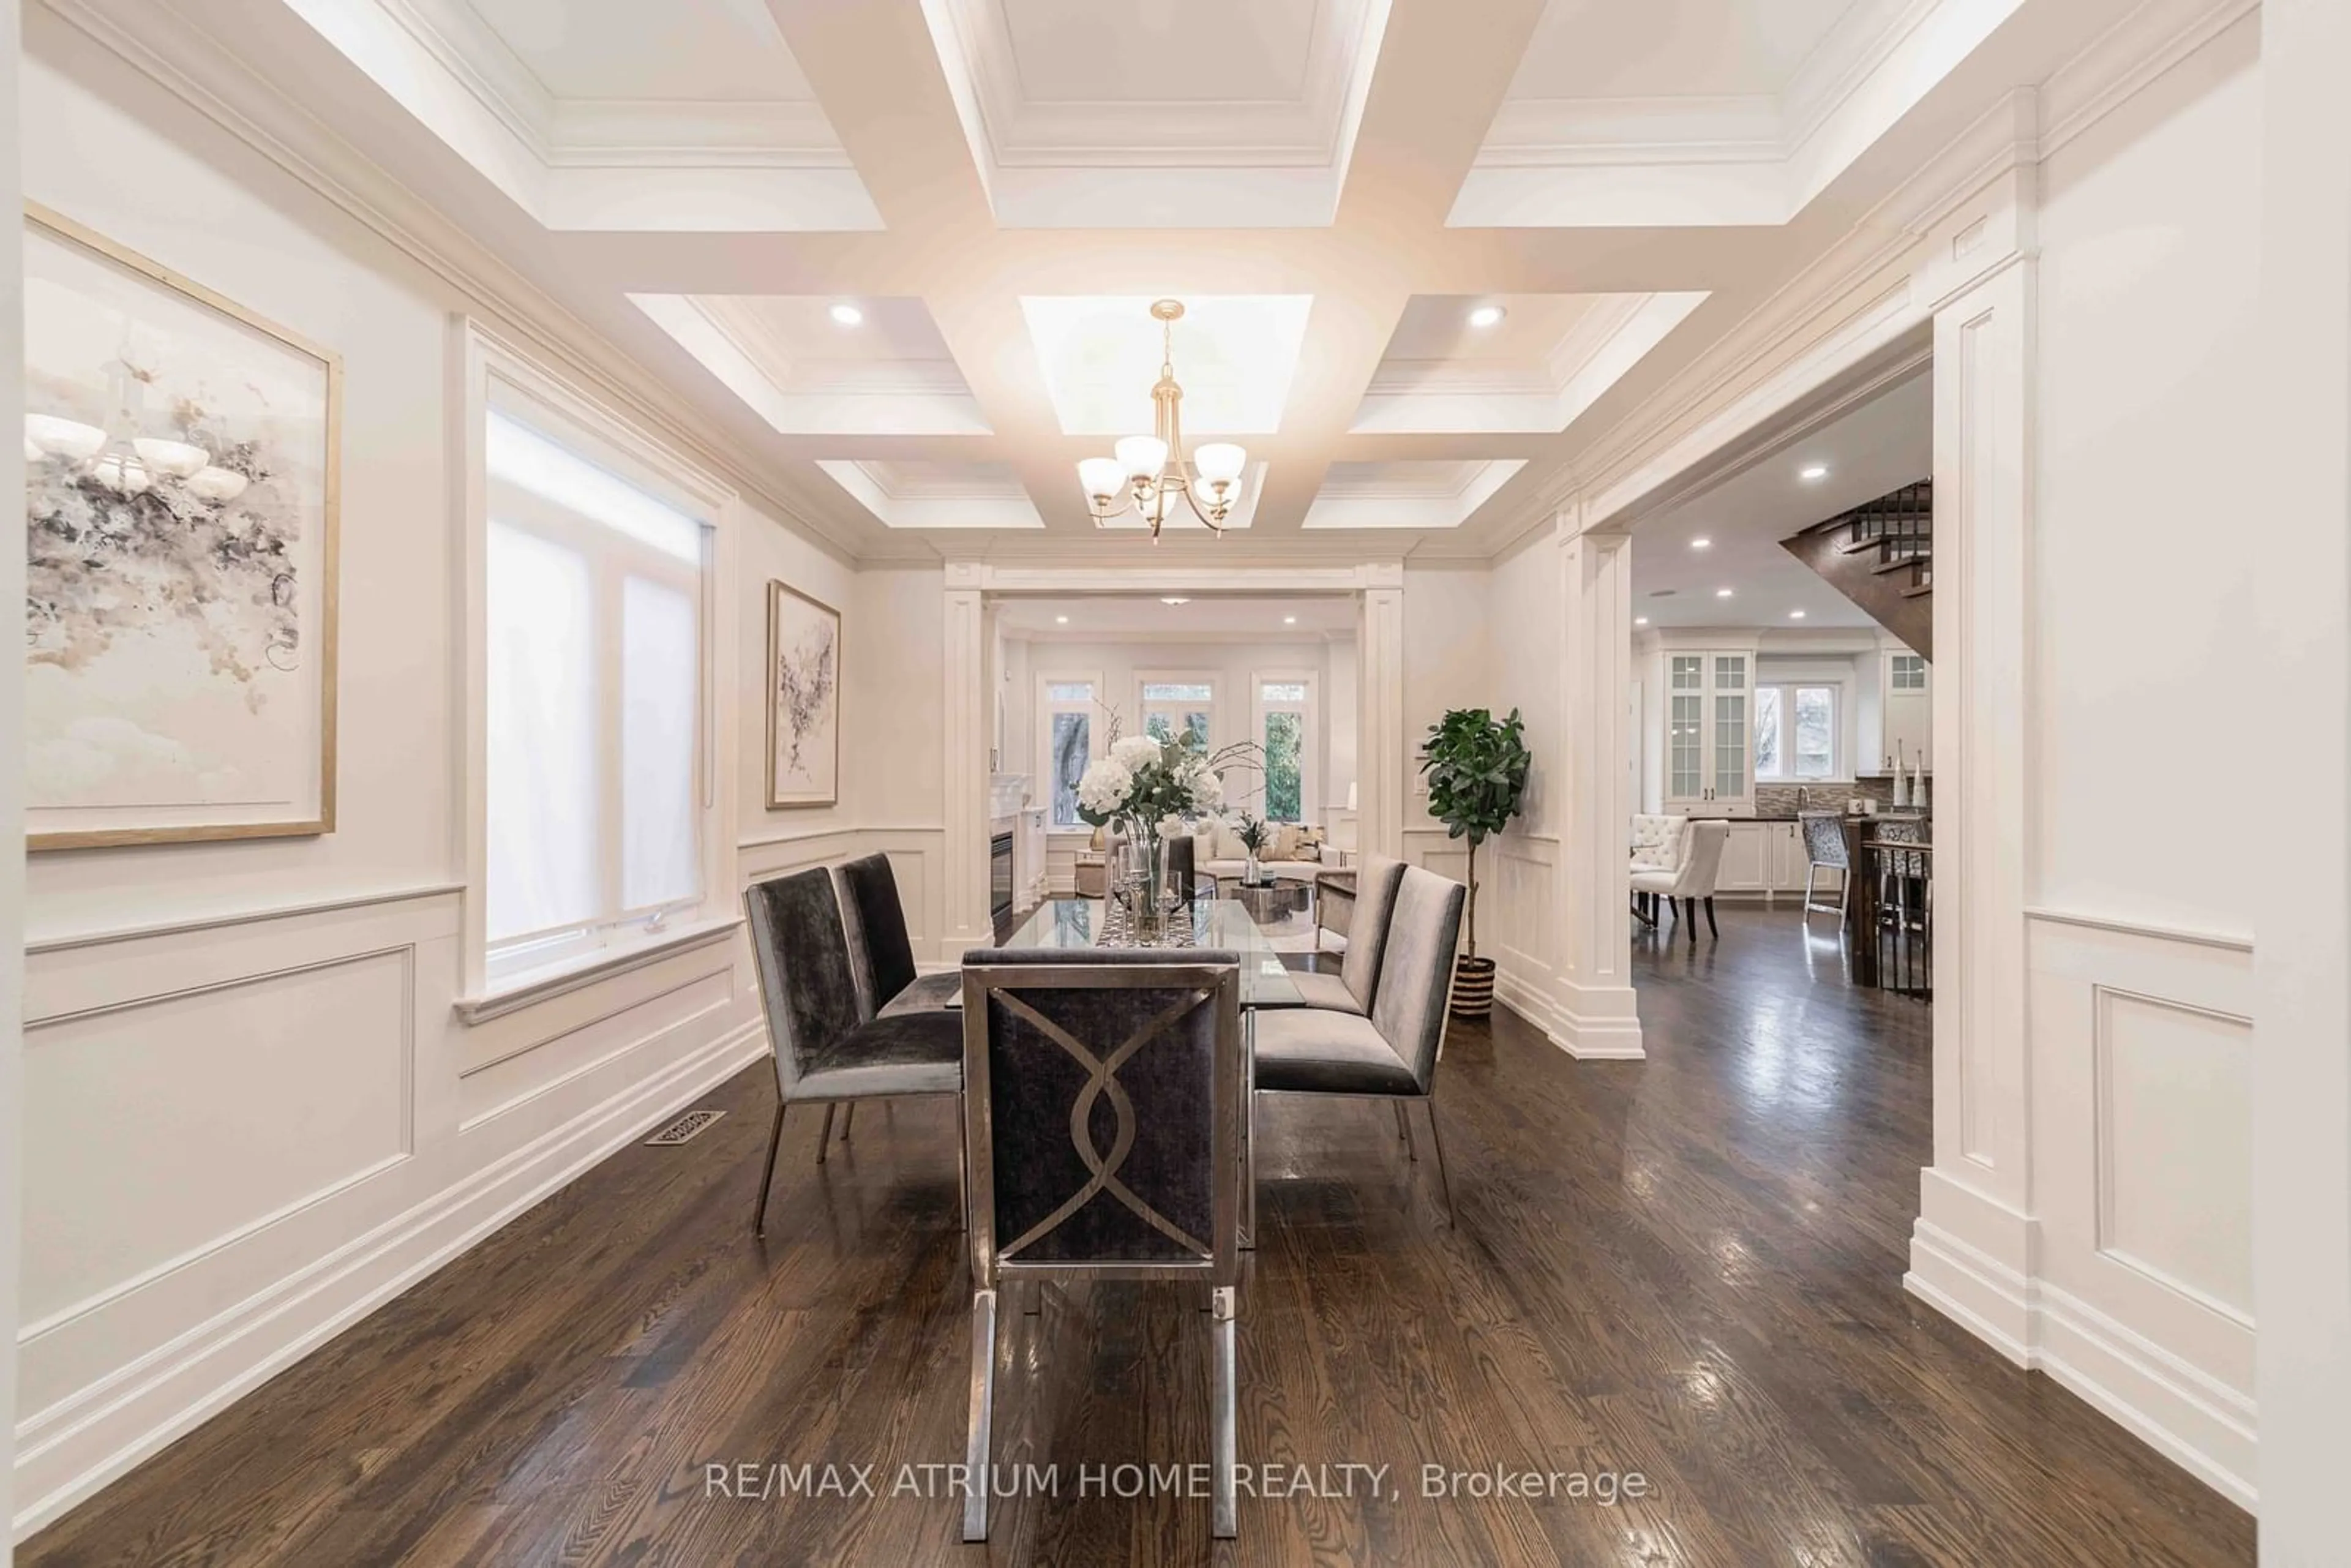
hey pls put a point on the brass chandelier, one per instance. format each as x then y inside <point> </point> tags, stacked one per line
<point>1149,469</point>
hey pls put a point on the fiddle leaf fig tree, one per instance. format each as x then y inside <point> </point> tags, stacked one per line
<point>1477,769</point>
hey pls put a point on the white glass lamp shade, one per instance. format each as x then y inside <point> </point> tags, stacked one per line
<point>216,484</point>
<point>1143,457</point>
<point>1104,478</point>
<point>176,458</point>
<point>68,438</point>
<point>1219,462</point>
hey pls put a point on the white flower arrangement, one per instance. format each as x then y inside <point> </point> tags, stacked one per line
<point>1159,784</point>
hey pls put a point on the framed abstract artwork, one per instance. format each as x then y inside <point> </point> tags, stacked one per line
<point>182,471</point>
<point>803,700</point>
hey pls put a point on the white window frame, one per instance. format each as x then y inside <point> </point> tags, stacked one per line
<point>487,365</point>
<point>1208,678</point>
<point>1097,741</point>
<point>1310,759</point>
<point>1840,768</point>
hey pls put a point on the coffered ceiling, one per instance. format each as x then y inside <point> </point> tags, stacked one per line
<point>897,255</point>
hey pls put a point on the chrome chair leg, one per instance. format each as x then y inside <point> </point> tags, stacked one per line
<point>1223,1522</point>
<point>1812,870</point>
<point>1429,1102</point>
<point>1411,1152</point>
<point>1404,1133</point>
<point>824,1133</point>
<point>847,1115</point>
<point>768,1172</point>
<point>983,1401</point>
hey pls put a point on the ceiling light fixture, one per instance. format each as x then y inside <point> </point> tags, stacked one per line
<point>848,315</point>
<point>1795,616</point>
<point>1172,600</point>
<point>1817,471</point>
<point>1700,543</point>
<point>1722,593</point>
<point>1487,316</point>
<point>1290,621</point>
<point>1061,621</point>
<point>1640,621</point>
<point>1147,469</point>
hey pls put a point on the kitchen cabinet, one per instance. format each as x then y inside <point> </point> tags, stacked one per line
<point>1766,860</point>
<point>1711,732</point>
<point>1908,692</point>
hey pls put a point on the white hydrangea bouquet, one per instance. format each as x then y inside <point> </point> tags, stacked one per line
<point>1149,790</point>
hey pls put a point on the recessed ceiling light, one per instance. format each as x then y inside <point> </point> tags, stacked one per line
<point>1816,471</point>
<point>1061,621</point>
<point>848,315</point>
<point>1795,616</point>
<point>1487,316</point>
<point>1640,621</point>
<point>1701,544</point>
<point>1290,621</point>
<point>1722,593</point>
<point>1171,599</point>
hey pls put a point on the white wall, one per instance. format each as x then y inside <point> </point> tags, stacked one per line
<point>12,805</point>
<point>252,1112</point>
<point>2141,675</point>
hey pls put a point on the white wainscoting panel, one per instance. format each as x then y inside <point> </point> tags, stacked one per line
<point>1518,911</point>
<point>2143,1057</point>
<point>276,1089</point>
<point>247,1130</point>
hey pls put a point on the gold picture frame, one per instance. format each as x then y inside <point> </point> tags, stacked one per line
<point>73,237</point>
<point>803,699</point>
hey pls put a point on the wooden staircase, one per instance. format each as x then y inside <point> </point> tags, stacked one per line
<point>1882,556</point>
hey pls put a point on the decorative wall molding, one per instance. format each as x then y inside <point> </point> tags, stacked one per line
<point>100,936</point>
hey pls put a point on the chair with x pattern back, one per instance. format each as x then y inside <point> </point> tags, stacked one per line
<point>1103,1103</point>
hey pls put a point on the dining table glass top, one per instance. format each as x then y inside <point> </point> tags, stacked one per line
<point>1217,923</point>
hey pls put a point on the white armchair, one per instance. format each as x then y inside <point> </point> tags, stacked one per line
<point>1691,878</point>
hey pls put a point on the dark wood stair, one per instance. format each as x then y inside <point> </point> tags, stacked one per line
<point>1882,556</point>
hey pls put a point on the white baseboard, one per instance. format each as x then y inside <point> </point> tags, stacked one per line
<point>68,1452</point>
<point>2200,1425</point>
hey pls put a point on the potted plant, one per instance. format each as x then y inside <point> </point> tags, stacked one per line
<point>1476,766</point>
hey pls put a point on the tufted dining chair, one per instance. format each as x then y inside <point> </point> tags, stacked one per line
<point>1102,1113</point>
<point>1691,880</point>
<point>827,1050</point>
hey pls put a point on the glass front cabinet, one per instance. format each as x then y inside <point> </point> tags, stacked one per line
<point>1710,731</point>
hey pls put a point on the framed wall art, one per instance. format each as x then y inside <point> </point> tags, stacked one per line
<point>181,470</point>
<point>803,700</point>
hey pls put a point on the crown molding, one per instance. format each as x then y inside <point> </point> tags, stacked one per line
<point>1845,58</point>
<point>1607,132</point>
<point>162,45</point>
<point>652,133</point>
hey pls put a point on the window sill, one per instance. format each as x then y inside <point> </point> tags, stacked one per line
<point>544,984</point>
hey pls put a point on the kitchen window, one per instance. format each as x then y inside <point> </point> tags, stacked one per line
<point>1795,733</point>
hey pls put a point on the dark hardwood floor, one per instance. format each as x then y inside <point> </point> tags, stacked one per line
<point>1687,1268</point>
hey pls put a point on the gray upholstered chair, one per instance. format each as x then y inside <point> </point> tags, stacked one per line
<point>826,1050</point>
<point>1102,1115</point>
<point>1351,989</point>
<point>1393,1053</point>
<point>1824,849</point>
<point>879,947</point>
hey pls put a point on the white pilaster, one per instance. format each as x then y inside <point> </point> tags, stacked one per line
<point>12,802</point>
<point>964,917</point>
<point>1597,1006</point>
<point>1381,747</point>
<point>1972,1252</point>
<point>2302,956</point>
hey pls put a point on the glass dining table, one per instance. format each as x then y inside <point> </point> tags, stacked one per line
<point>1217,923</point>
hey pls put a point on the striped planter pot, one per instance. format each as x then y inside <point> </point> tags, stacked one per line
<point>1473,987</point>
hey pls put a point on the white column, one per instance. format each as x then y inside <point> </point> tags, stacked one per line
<point>1382,747</point>
<point>11,784</point>
<point>1598,1014</point>
<point>962,915</point>
<point>2301,953</point>
<point>1972,1251</point>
